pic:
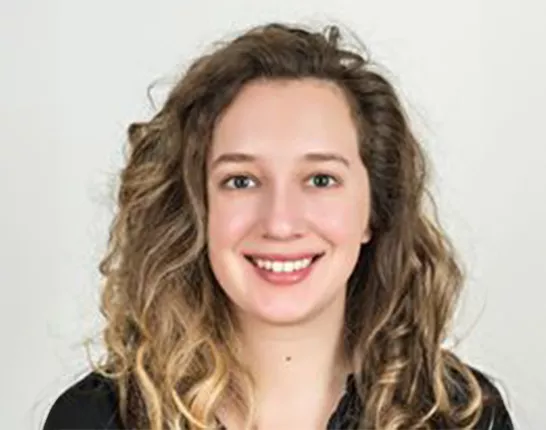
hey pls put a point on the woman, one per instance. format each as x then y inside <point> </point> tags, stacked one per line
<point>242,292</point>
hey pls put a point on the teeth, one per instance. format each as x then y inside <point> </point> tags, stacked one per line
<point>282,266</point>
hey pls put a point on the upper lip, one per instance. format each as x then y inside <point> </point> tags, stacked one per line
<point>283,257</point>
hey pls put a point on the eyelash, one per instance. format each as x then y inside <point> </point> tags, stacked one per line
<point>224,183</point>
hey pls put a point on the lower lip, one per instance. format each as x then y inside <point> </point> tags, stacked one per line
<point>285,278</point>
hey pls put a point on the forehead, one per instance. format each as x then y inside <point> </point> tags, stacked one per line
<point>287,116</point>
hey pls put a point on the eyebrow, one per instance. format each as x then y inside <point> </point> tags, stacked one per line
<point>240,157</point>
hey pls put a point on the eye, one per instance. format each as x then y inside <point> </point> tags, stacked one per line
<point>237,182</point>
<point>323,180</point>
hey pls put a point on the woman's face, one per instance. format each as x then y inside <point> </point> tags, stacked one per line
<point>285,185</point>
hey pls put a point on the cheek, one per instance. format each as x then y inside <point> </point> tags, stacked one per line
<point>229,221</point>
<point>341,220</point>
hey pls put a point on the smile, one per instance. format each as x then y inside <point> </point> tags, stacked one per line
<point>282,271</point>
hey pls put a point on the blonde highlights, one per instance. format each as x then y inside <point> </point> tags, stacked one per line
<point>170,334</point>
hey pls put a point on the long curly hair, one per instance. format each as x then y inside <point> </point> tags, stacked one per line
<point>171,339</point>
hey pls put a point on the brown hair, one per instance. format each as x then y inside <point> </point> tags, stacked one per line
<point>170,336</point>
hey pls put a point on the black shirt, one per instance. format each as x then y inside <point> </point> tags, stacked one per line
<point>91,403</point>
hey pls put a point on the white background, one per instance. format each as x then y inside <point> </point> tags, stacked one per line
<point>74,74</point>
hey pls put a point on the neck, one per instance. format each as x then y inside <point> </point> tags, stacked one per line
<point>303,365</point>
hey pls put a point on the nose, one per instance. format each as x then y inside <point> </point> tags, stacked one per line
<point>282,216</point>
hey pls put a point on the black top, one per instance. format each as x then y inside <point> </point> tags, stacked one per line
<point>91,404</point>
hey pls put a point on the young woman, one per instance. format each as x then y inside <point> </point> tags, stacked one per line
<point>272,264</point>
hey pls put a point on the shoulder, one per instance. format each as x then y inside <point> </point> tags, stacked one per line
<point>495,415</point>
<point>90,403</point>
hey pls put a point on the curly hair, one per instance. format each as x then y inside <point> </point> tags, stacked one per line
<point>171,339</point>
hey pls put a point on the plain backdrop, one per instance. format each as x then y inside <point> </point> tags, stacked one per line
<point>74,74</point>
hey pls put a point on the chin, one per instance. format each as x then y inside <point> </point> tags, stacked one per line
<point>286,314</point>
